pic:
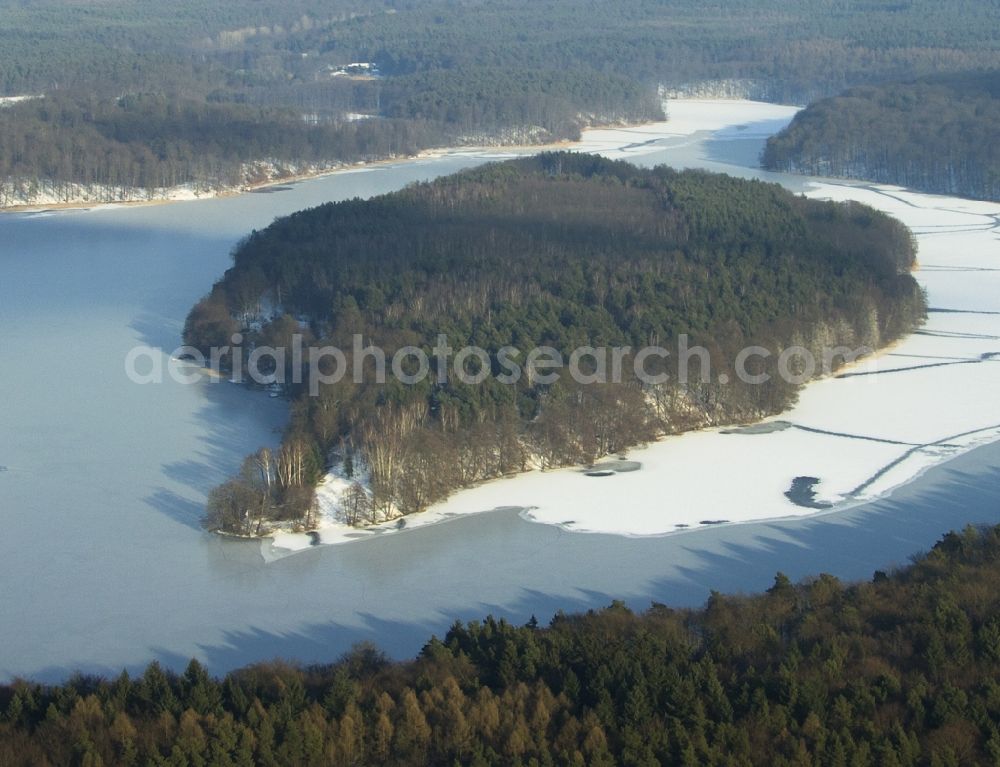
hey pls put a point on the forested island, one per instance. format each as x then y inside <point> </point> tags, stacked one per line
<point>562,251</point>
<point>936,134</point>
<point>898,671</point>
<point>131,99</point>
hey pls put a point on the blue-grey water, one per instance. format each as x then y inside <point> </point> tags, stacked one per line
<point>104,565</point>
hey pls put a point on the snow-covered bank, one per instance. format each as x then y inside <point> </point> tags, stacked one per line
<point>850,438</point>
<point>20,195</point>
<point>27,195</point>
<point>7,101</point>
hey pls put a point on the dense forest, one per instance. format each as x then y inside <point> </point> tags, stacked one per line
<point>559,250</point>
<point>902,670</point>
<point>146,144</point>
<point>462,71</point>
<point>937,134</point>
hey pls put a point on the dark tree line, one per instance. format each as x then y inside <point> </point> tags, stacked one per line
<point>937,134</point>
<point>563,251</point>
<point>898,671</point>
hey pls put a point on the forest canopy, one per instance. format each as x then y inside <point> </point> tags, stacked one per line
<point>562,251</point>
<point>898,671</point>
<point>151,143</point>
<point>455,72</point>
<point>936,134</point>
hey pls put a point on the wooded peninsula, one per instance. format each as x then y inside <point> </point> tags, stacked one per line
<point>936,134</point>
<point>560,250</point>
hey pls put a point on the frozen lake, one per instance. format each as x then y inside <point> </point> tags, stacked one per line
<point>104,564</point>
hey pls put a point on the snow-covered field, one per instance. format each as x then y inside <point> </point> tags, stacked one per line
<point>883,422</point>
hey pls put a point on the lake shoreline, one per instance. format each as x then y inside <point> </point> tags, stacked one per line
<point>134,552</point>
<point>329,532</point>
<point>183,193</point>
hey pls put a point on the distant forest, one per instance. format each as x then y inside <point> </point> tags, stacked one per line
<point>151,143</point>
<point>937,134</point>
<point>453,72</point>
<point>896,672</point>
<point>560,250</point>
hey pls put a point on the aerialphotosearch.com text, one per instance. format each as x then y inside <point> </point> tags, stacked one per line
<point>317,366</point>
